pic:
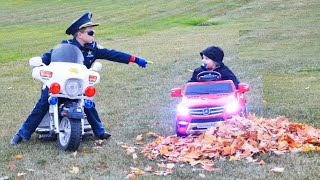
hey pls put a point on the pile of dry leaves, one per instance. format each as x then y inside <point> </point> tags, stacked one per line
<point>237,138</point>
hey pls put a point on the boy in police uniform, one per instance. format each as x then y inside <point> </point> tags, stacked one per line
<point>212,58</point>
<point>83,33</point>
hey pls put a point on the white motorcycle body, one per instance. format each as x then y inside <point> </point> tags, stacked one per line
<point>71,89</point>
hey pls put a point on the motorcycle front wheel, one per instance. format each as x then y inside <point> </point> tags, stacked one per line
<point>70,134</point>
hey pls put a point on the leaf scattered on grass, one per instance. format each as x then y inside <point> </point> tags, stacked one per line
<point>132,176</point>
<point>74,170</point>
<point>86,149</point>
<point>99,142</point>
<point>148,169</point>
<point>277,170</point>
<point>139,137</point>
<point>152,134</point>
<point>261,162</point>
<point>74,154</point>
<point>163,173</point>
<point>162,165</point>
<point>209,167</point>
<point>19,156</point>
<point>134,156</point>
<point>137,171</point>
<point>101,166</point>
<point>233,158</point>
<point>11,165</point>
<point>170,166</point>
<point>21,174</point>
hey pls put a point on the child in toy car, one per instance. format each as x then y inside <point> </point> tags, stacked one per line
<point>212,95</point>
<point>212,58</point>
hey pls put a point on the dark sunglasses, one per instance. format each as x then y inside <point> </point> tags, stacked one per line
<point>90,33</point>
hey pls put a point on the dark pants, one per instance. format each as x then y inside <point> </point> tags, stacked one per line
<point>42,107</point>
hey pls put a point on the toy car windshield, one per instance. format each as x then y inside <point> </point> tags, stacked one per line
<point>216,88</point>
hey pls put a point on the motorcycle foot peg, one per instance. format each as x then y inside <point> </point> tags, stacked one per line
<point>87,134</point>
<point>47,137</point>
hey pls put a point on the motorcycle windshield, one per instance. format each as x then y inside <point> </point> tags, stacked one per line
<point>67,53</point>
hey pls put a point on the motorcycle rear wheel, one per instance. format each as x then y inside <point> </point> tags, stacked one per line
<point>70,134</point>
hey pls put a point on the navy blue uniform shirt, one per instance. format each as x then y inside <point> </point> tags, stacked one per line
<point>91,52</point>
<point>226,74</point>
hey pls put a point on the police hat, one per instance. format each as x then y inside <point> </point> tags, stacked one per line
<point>83,21</point>
<point>215,53</point>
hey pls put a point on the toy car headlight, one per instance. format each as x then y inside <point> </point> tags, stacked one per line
<point>183,110</point>
<point>232,107</point>
<point>73,87</point>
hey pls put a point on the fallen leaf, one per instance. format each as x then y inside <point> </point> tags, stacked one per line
<point>152,134</point>
<point>170,166</point>
<point>162,173</point>
<point>148,169</point>
<point>75,154</point>
<point>11,165</point>
<point>101,165</point>
<point>164,150</point>
<point>233,158</point>
<point>261,162</point>
<point>130,150</point>
<point>134,156</point>
<point>75,170</point>
<point>86,150</point>
<point>139,137</point>
<point>21,174</point>
<point>209,167</point>
<point>99,142</point>
<point>132,176</point>
<point>19,156</point>
<point>136,171</point>
<point>162,165</point>
<point>277,170</point>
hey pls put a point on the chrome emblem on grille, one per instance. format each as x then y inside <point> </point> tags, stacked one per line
<point>206,111</point>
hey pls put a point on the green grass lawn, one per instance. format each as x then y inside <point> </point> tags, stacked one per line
<point>271,45</point>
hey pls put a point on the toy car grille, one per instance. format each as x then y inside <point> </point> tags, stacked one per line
<point>206,120</point>
<point>206,111</point>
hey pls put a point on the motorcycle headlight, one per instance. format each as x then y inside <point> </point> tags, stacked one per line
<point>232,107</point>
<point>73,87</point>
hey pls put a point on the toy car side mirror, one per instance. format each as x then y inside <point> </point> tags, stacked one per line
<point>176,92</point>
<point>35,62</point>
<point>243,87</point>
<point>96,67</point>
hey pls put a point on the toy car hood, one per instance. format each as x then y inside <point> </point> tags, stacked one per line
<point>208,100</point>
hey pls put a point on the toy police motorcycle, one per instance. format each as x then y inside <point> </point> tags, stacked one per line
<point>72,89</point>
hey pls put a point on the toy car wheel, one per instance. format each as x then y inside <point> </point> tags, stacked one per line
<point>208,76</point>
<point>180,134</point>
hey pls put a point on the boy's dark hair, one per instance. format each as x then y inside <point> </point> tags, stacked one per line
<point>214,52</point>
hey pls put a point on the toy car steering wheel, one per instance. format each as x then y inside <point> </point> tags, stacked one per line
<point>208,76</point>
